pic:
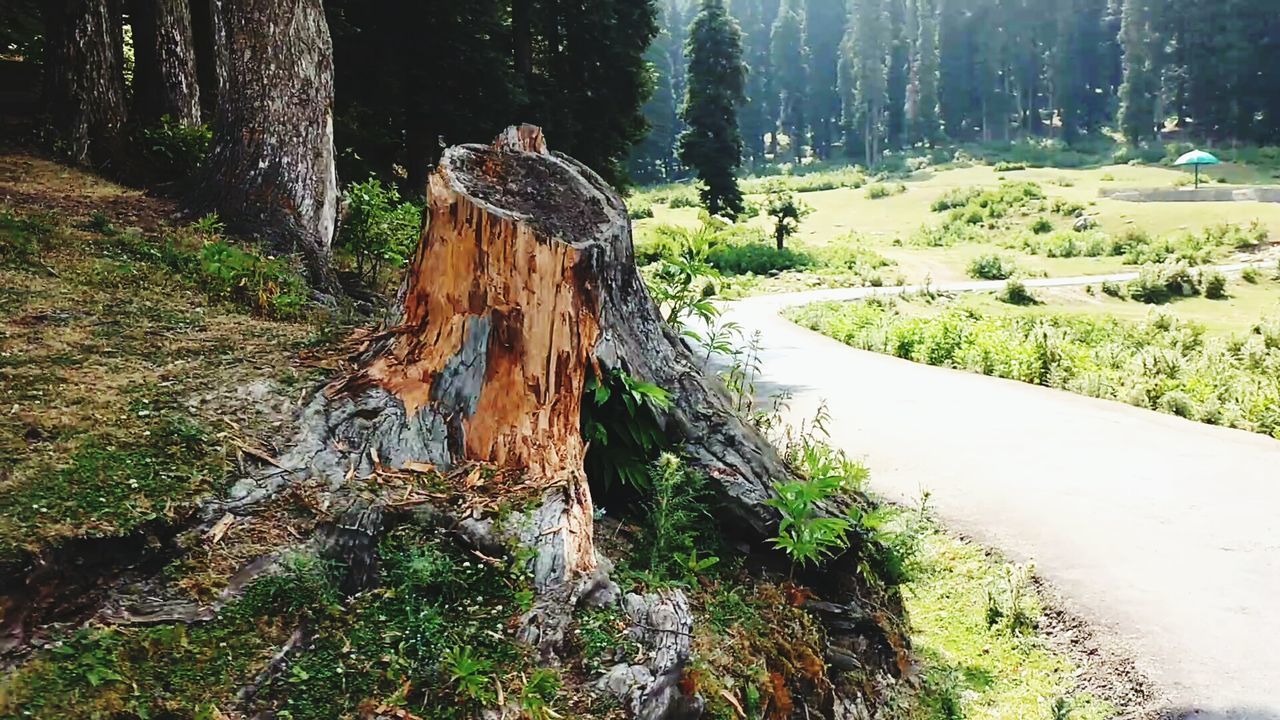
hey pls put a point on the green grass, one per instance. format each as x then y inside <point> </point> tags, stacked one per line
<point>887,223</point>
<point>1163,362</point>
<point>974,668</point>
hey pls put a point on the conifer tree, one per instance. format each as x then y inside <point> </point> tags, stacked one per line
<point>824,27</point>
<point>790,73</point>
<point>716,77</point>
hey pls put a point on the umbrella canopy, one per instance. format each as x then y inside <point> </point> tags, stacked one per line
<point>1196,157</point>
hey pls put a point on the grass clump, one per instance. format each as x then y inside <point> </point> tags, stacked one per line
<point>1225,381</point>
<point>992,267</point>
<point>24,238</point>
<point>877,191</point>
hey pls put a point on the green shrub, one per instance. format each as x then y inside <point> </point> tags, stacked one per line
<point>176,150</point>
<point>1016,293</point>
<point>1112,288</point>
<point>638,209</point>
<point>685,199</point>
<point>1159,283</point>
<point>1040,226</point>
<point>379,230</point>
<point>269,286</point>
<point>876,191</point>
<point>756,258</point>
<point>1251,275</point>
<point>1008,166</point>
<point>991,267</point>
<point>1214,284</point>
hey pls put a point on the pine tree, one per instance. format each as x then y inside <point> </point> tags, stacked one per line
<point>825,21</point>
<point>716,78</point>
<point>1065,76</point>
<point>757,113</point>
<point>1141,78</point>
<point>790,73</point>
<point>84,78</point>
<point>864,77</point>
<point>899,66</point>
<point>652,159</point>
<point>922,81</point>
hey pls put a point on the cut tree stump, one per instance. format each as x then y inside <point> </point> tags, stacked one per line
<point>524,282</point>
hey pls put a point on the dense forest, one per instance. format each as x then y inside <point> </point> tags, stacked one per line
<point>861,77</point>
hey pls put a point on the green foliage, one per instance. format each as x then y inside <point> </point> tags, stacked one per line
<point>1251,275</point>
<point>175,149</point>
<point>804,534</point>
<point>109,487</point>
<point>1004,166</point>
<point>1214,284</point>
<point>638,209</point>
<point>1015,292</point>
<point>676,522</point>
<point>23,239</point>
<point>1159,283</point>
<point>620,421</point>
<point>992,267</point>
<point>267,285</point>
<point>715,88</point>
<point>1232,382</point>
<point>378,230</point>
<point>786,211</point>
<point>756,258</point>
<point>808,178</point>
<point>471,676</point>
<point>1041,225</point>
<point>876,191</point>
<point>683,282</point>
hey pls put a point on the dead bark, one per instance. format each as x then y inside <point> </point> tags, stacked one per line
<point>84,78</point>
<point>524,281</point>
<point>164,76</point>
<point>271,172</point>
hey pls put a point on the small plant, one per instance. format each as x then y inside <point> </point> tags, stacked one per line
<point>991,267</point>
<point>684,282</point>
<point>676,520</point>
<point>786,210</point>
<point>1214,284</point>
<point>1112,288</point>
<point>538,693</point>
<point>876,191</point>
<point>638,209</point>
<point>619,420</point>
<point>379,230</point>
<point>208,227</point>
<point>267,285</point>
<point>175,149</point>
<point>805,535</point>
<point>1015,292</point>
<point>1251,275</point>
<point>23,239</point>
<point>1041,226</point>
<point>100,223</point>
<point>471,676</point>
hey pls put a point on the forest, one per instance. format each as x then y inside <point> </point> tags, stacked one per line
<point>447,359</point>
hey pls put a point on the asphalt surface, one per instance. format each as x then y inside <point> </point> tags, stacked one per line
<point>1163,533</point>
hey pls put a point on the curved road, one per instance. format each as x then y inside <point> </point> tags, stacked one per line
<point>1164,532</point>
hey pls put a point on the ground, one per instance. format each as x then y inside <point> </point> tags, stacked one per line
<point>1151,526</point>
<point>885,225</point>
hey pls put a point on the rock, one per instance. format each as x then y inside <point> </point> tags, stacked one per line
<point>1084,222</point>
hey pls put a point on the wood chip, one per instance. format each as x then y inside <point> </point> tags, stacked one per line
<point>220,528</point>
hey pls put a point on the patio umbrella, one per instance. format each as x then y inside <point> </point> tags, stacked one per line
<point>1197,158</point>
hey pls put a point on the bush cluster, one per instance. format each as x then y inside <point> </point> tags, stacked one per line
<point>379,230</point>
<point>1162,363</point>
<point>992,267</point>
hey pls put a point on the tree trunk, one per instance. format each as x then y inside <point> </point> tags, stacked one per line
<point>524,282</point>
<point>164,76</point>
<point>211,62</point>
<point>271,172</point>
<point>84,78</point>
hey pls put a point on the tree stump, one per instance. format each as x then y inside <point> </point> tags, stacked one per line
<point>524,283</point>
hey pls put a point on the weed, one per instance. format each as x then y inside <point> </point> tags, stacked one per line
<point>620,422</point>
<point>23,239</point>
<point>676,521</point>
<point>992,267</point>
<point>379,230</point>
<point>1015,292</point>
<point>876,191</point>
<point>471,676</point>
<point>175,149</point>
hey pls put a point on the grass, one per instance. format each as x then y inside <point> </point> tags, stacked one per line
<point>886,223</point>
<point>123,382</point>
<point>976,668</point>
<point>1163,362</point>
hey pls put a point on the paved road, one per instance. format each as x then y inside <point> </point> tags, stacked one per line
<point>1165,533</point>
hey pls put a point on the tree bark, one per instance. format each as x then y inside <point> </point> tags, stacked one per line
<point>524,281</point>
<point>84,78</point>
<point>164,76</point>
<point>271,171</point>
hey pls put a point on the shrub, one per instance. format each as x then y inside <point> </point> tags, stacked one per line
<point>1214,284</point>
<point>1251,275</point>
<point>1040,226</point>
<point>174,149</point>
<point>267,285</point>
<point>876,191</point>
<point>1112,288</point>
<point>991,267</point>
<point>786,211</point>
<point>1016,293</point>
<point>755,258</point>
<point>379,230</point>
<point>1159,283</point>
<point>687,199</point>
<point>1009,166</point>
<point>638,209</point>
